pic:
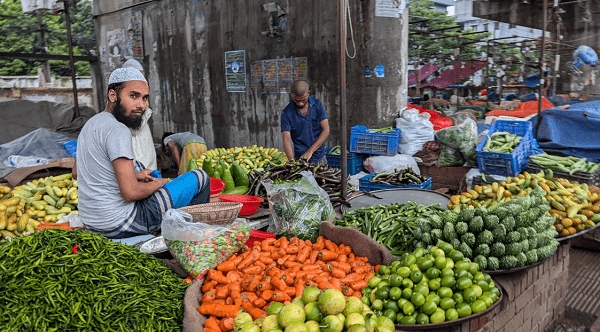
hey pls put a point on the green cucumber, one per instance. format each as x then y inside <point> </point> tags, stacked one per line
<point>239,175</point>
<point>239,190</point>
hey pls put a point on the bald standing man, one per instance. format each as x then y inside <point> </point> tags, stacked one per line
<point>304,122</point>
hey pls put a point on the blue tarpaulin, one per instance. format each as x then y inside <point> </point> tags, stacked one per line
<point>574,131</point>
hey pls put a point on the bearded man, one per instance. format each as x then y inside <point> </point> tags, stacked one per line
<point>117,199</point>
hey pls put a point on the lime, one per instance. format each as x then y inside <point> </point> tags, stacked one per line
<point>445,292</point>
<point>365,300</point>
<point>478,276</point>
<point>409,260</point>
<point>440,262</point>
<point>414,267</point>
<point>391,314</point>
<point>432,273</point>
<point>438,253</point>
<point>383,283</point>
<point>395,293</point>
<point>462,265</point>
<point>434,284</point>
<point>384,269</point>
<point>403,271</point>
<point>408,320</point>
<point>393,305</point>
<point>458,298</point>
<point>495,291</point>
<point>408,308</point>
<point>424,263</point>
<point>446,247</point>
<point>478,290</point>
<point>438,317</point>
<point>399,316</point>
<point>451,314</point>
<point>464,283</point>
<point>422,319</point>
<point>298,301</point>
<point>474,268</point>
<point>241,319</point>
<point>456,255</point>
<point>469,295</point>
<point>447,303</point>
<point>372,283</point>
<point>407,283</point>
<point>433,298</point>
<point>416,276</point>
<point>353,305</point>
<point>464,309</point>
<point>395,264</point>
<point>341,317</point>
<point>395,280</point>
<point>275,307</point>
<point>449,263</point>
<point>421,288</point>
<point>377,305</point>
<point>448,281</point>
<point>492,284</point>
<point>382,293</point>
<point>483,285</point>
<point>461,274</point>
<point>366,291</point>
<point>487,300</point>
<point>312,311</point>
<point>447,271</point>
<point>478,306</point>
<point>491,295</point>
<point>331,301</point>
<point>372,297</point>
<point>419,252</point>
<point>249,327</point>
<point>487,278</point>
<point>407,293</point>
<point>428,307</point>
<point>417,299</point>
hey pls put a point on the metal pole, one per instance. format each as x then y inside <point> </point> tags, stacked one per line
<point>73,73</point>
<point>545,22</point>
<point>418,92</point>
<point>557,55</point>
<point>487,73</point>
<point>43,44</point>
<point>343,115</point>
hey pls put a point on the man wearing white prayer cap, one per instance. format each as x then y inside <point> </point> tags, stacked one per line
<point>116,198</point>
<point>143,144</point>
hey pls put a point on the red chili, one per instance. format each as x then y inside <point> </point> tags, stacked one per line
<point>74,249</point>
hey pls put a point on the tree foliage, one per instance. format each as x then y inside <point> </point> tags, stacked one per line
<point>432,46</point>
<point>21,35</point>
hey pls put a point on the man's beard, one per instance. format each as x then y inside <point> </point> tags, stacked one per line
<point>130,121</point>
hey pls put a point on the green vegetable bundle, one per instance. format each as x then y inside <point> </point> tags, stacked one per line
<point>59,280</point>
<point>381,130</point>
<point>568,164</point>
<point>502,142</point>
<point>390,225</point>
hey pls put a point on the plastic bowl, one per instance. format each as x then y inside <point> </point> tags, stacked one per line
<point>216,186</point>
<point>258,236</point>
<point>250,203</point>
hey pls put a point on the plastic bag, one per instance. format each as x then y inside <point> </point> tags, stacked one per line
<point>459,144</point>
<point>379,164</point>
<point>416,130</point>
<point>199,247</point>
<point>299,208</point>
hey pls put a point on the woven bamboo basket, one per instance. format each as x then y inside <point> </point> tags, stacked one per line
<point>213,213</point>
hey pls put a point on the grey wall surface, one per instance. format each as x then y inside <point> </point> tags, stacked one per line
<point>184,45</point>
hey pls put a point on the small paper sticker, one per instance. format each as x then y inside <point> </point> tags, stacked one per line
<point>380,71</point>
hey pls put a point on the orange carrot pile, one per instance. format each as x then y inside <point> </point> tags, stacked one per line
<point>278,271</point>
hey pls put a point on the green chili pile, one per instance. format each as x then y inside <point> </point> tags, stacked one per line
<point>59,280</point>
<point>390,225</point>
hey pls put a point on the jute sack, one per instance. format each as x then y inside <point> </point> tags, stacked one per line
<point>193,321</point>
<point>361,244</point>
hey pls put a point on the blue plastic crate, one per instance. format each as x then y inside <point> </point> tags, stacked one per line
<point>507,164</point>
<point>71,147</point>
<point>355,161</point>
<point>365,184</point>
<point>374,143</point>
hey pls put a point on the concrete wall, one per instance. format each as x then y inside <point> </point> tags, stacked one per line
<point>183,48</point>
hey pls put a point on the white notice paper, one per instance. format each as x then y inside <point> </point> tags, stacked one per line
<point>389,8</point>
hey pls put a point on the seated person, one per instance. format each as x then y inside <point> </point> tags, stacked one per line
<point>182,147</point>
<point>117,199</point>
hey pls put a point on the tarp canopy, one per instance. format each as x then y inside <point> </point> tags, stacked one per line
<point>574,131</point>
<point>524,110</point>
<point>424,72</point>
<point>454,75</point>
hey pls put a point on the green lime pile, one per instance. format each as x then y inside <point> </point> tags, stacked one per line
<point>316,311</point>
<point>430,286</point>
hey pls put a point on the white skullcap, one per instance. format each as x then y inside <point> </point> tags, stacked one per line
<point>133,63</point>
<point>125,74</point>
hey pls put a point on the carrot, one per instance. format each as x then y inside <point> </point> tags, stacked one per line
<point>217,276</point>
<point>326,284</point>
<point>278,283</point>
<point>291,264</point>
<point>280,297</point>
<point>208,286</point>
<point>299,287</point>
<point>267,260</point>
<point>253,311</point>
<point>266,243</point>
<point>345,267</point>
<point>233,276</point>
<point>292,249</point>
<point>235,291</point>
<point>288,279</point>
<point>320,244</point>
<point>308,243</point>
<point>207,329</point>
<point>284,242</point>
<point>222,292</point>
<point>208,296</point>
<point>239,258</point>
<point>212,323</point>
<point>357,294</point>
<point>352,277</point>
<point>359,285</point>
<point>264,285</point>
<point>347,291</point>
<point>253,270</point>
<point>277,253</point>
<point>227,265</point>
<point>312,258</point>
<point>261,264</point>
<point>362,270</point>
<point>251,258</point>
<point>291,291</point>
<point>337,283</point>
<point>219,310</point>
<point>230,301</point>
<point>329,245</point>
<point>327,255</point>
<point>226,324</point>
<point>368,276</point>
<point>248,283</point>
<point>342,258</point>
<point>337,273</point>
<point>267,295</point>
<point>259,302</point>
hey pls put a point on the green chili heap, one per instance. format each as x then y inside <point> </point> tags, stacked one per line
<point>59,280</point>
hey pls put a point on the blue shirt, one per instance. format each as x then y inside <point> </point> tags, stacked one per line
<point>304,130</point>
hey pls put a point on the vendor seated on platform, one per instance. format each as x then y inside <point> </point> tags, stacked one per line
<point>117,198</point>
<point>182,147</point>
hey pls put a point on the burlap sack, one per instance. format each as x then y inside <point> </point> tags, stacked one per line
<point>361,244</point>
<point>193,321</point>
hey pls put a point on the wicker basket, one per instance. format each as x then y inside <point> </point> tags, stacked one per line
<point>213,213</point>
<point>215,198</point>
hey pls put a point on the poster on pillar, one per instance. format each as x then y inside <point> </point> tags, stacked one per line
<point>390,8</point>
<point>235,71</point>
<point>135,35</point>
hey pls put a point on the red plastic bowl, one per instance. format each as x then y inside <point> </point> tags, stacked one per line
<point>216,186</point>
<point>250,203</point>
<point>258,236</point>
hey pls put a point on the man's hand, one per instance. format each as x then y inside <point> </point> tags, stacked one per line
<point>307,155</point>
<point>144,176</point>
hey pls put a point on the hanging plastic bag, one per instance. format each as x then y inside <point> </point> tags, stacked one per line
<point>393,164</point>
<point>299,208</point>
<point>458,141</point>
<point>416,130</point>
<point>199,247</point>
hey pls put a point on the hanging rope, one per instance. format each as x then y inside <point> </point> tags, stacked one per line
<point>349,19</point>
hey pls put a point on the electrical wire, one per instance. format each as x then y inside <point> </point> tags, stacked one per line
<point>349,19</point>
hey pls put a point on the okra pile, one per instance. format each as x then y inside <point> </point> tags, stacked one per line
<point>502,142</point>
<point>58,280</point>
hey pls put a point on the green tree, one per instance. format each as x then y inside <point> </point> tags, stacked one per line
<point>20,35</point>
<point>432,46</point>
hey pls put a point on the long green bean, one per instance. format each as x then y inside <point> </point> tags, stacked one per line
<point>59,280</point>
<point>568,164</point>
